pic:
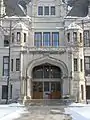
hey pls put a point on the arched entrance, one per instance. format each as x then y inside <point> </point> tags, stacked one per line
<point>46,75</point>
<point>46,82</point>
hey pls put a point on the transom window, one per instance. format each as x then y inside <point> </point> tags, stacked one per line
<point>46,71</point>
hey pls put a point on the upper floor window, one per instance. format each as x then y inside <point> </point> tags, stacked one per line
<point>17,64</point>
<point>81,65</point>
<point>68,37</point>
<point>55,39</point>
<point>74,36</point>
<point>5,65</point>
<point>86,38</point>
<point>87,65</point>
<point>11,64</point>
<point>52,10</point>
<point>46,10</point>
<point>46,39</point>
<point>40,10</point>
<point>18,36</point>
<point>38,39</point>
<point>12,37</point>
<point>24,37</point>
<point>6,40</point>
<point>75,64</point>
<point>80,37</point>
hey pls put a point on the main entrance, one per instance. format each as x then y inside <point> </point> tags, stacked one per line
<point>46,83</point>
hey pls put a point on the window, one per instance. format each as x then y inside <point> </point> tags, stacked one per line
<point>55,39</point>
<point>6,40</point>
<point>12,37</point>
<point>18,36</point>
<point>82,92</point>
<point>46,71</point>
<point>40,10</point>
<point>52,10</point>
<point>11,64</point>
<point>4,91</point>
<point>24,37</point>
<point>10,91</point>
<point>46,86</point>
<point>68,37</point>
<point>5,65</point>
<point>46,10</point>
<point>81,65</point>
<point>80,37</point>
<point>46,39</point>
<point>75,65</point>
<point>38,39</point>
<point>87,65</point>
<point>86,38</point>
<point>17,64</point>
<point>75,36</point>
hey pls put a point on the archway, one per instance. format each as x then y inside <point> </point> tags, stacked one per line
<point>46,82</point>
<point>45,76</point>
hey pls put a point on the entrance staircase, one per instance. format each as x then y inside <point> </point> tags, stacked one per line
<point>48,102</point>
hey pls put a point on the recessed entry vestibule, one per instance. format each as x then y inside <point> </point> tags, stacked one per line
<point>46,82</point>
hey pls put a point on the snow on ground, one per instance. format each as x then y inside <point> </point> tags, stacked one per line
<point>79,111</point>
<point>11,111</point>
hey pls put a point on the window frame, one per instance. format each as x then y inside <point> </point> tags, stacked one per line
<point>12,64</point>
<point>4,91</point>
<point>25,37</point>
<point>85,64</point>
<point>46,42</point>
<point>46,12</point>
<point>18,36</point>
<point>52,10</point>
<point>5,63</point>
<point>53,33</point>
<point>17,64</point>
<point>75,64</point>
<point>40,10</point>
<point>38,43</point>
<point>6,39</point>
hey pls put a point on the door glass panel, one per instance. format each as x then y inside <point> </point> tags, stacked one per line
<point>38,86</point>
<point>53,87</point>
<point>46,86</point>
<point>58,86</point>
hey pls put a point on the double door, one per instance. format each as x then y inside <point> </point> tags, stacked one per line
<point>46,90</point>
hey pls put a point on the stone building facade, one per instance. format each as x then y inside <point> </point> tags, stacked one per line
<point>46,53</point>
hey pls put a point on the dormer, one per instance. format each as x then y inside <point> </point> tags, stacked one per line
<point>19,33</point>
<point>74,34</point>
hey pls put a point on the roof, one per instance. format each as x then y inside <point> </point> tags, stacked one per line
<point>80,8</point>
<point>16,7</point>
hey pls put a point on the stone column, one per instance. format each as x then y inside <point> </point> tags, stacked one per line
<point>29,88</point>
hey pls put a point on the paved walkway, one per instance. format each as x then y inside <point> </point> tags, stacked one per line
<point>43,112</point>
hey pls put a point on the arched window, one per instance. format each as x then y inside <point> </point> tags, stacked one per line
<point>46,71</point>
